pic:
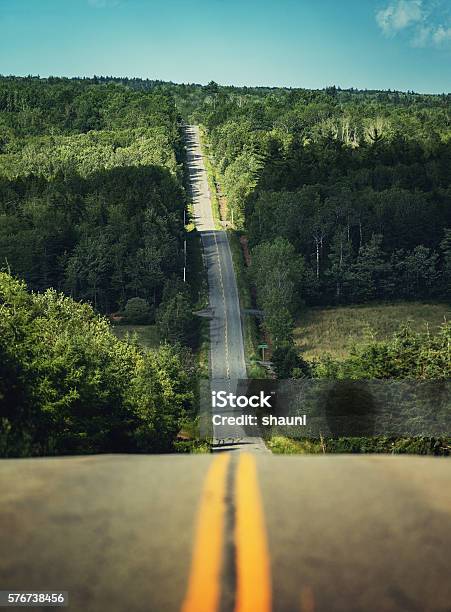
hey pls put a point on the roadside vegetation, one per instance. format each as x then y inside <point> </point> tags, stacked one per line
<point>212,179</point>
<point>281,445</point>
<point>336,330</point>
<point>69,386</point>
<point>406,355</point>
<point>250,327</point>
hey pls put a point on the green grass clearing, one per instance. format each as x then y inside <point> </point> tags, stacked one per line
<point>336,330</point>
<point>147,335</point>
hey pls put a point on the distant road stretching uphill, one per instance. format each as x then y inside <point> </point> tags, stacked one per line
<point>227,361</point>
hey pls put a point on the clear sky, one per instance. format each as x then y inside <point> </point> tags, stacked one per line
<point>377,44</point>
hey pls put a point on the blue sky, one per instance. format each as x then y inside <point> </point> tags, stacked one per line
<point>397,44</point>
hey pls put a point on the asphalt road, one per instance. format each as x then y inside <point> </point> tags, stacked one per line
<point>231,531</point>
<point>227,359</point>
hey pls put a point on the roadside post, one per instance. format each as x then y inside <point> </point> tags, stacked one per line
<point>263,346</point>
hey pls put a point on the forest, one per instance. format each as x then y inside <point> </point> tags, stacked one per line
<point>91,223</point>
<point>344,195</point>
<point>91,199</point>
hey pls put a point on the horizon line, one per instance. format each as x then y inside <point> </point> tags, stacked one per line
<point>193,83</point>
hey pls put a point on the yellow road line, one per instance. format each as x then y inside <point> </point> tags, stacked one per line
<point>252,556</point>
<point>204,587</point>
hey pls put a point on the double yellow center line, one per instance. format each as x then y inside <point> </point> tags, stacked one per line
<point>253,575</point>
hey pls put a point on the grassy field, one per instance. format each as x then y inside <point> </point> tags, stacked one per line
<point>336,330</point>
<point>281,445</point>
<point>147,335</point>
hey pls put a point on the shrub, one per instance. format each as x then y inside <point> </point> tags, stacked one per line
<point>175,319</point>
<point>137,311</point>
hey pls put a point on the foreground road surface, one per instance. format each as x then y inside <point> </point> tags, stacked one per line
<point>227,361</point>
<point>231,531</point>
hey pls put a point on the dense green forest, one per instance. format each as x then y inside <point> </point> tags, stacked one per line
<point>91,197</point>
<point>92,219</point>
<point>345,195</point>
